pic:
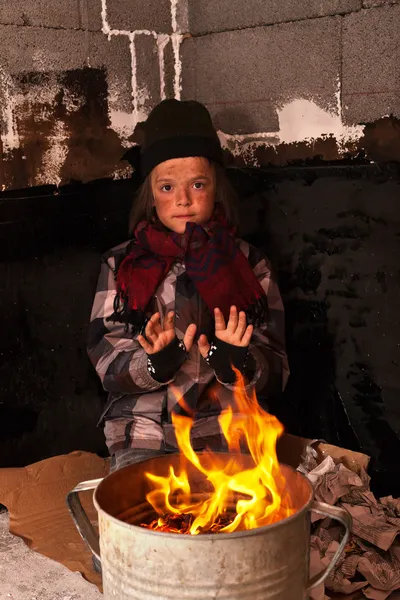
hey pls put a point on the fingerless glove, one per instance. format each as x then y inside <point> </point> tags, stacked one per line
<point>222,356</point>
<point>163,365</point>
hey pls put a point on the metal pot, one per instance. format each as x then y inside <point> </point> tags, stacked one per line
<point>268,563</point>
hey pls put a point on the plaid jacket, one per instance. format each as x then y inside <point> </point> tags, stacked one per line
<point>138,411</point>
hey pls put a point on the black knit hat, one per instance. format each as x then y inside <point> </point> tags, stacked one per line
<point>178,129</point>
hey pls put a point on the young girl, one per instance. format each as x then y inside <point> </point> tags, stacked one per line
<point>184,300</point>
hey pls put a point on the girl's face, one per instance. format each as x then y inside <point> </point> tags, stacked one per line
<point>183,190</point>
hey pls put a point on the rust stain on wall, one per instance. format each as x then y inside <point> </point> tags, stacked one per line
<point>297,151</point>
<point>380,142</point>
<point>60,129</point>
<point>63,128</point>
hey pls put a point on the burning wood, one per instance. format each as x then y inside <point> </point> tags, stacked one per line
<point>182,524</point>
<point>259,493</point>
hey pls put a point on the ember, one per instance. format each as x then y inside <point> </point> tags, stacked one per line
<point>182,523</point>
<point>258,493</point>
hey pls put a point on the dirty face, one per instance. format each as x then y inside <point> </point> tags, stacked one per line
<point>183,190</point>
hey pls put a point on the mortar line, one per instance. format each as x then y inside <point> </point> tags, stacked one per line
<point>176,40</point>
<point>340,82</point>
<point>162,41</point>
<point>263,25</point>
<point>174,22</point>
<point>132,50</point>
<point>52,27</point>
<point>10,137</point>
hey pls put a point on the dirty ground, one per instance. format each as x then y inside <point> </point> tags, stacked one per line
<point>27,575</point>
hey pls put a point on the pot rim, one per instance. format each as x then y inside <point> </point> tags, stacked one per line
<point>209,536</point>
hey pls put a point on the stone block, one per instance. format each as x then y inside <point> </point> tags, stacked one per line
<point>204,17</point>
<point>148,81</point>
<point>37,49</point>
<point>371,57</point>
<point>134,15</point>
<point>169,70</point>
<point>245,76</point>
<point>42,13</point>
<point>114,57</point>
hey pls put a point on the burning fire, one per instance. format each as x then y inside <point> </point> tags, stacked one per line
<point>240,499</point>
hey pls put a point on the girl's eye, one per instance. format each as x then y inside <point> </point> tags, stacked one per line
<point>198,185</point>
<point>166,188</point>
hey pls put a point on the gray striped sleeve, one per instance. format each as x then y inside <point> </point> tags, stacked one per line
<point>120,361</point>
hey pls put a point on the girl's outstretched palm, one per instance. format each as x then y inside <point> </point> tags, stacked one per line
<point>237,332</point>
<point>158,336</point>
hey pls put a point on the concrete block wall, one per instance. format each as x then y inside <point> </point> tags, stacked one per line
<point>284,80</point>
<point>256,70</point>
<point>371,59</point>
<point>290,80</point>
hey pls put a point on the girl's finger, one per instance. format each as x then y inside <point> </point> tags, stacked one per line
<point>188,338</point>
<point>233,320</point>
<point>247,336</point>
<point>145,344</point>
<point>156,323</point>
<point>242,324</point>
<point>150,333</point>
<point>169,321</point>
<point>219,320</point>
<point>203,345</point>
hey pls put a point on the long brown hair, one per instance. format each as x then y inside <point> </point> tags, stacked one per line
<point>142,208</point>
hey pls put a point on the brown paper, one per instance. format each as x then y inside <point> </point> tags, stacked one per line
<point>374,550</point>
<point>35,498</point>
<point>355,461</point>
<point>291,449</point>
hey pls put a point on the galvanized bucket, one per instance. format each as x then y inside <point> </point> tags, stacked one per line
<point>268,563</point>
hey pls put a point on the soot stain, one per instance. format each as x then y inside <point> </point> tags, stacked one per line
<point>361,215</point>
<point>323,245</point>
<point>344,232</point>
<point>93,149</point>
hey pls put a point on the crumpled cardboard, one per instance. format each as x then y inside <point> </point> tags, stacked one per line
<point>371,561</point>
<point>35,497</point>
<point>292,450</point>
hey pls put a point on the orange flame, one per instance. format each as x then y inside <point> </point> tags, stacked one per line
<point>257,494</point>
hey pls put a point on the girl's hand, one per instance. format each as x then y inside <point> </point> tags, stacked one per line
<point>236,333</point>
<point>158,337</point>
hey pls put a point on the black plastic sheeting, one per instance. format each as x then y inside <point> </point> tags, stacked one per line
<point>333,236</point>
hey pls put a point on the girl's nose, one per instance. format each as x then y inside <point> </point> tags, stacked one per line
<point>182,198</point>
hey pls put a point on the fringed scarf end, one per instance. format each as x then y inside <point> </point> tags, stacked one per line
<point>134,320</point>
<point>256,313</point>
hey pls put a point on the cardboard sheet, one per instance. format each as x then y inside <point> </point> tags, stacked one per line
<point>35,498</point>
<point>371,561</point>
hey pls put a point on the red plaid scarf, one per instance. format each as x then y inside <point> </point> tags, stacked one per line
<point>214,262</point>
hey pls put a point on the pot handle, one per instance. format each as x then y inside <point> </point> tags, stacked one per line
<point>80,518</point>
<point>338,514</point>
